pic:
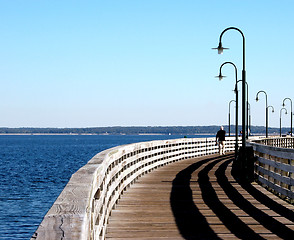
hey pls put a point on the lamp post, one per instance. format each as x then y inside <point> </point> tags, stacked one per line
<point>266,112</point>
<point>249,121</point>
<point>230,116</point>
<point>220,49</point>
<point>247,110</point>
<point>273,110</point>
<point>291,112</point>
<point>220,76</point>
<point>281,120</point>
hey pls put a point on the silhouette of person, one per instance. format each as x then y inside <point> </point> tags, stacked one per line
<point>220,140</point>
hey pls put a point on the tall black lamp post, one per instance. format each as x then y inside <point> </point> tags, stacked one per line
<point>281,120</point>
<point>220,76</point>
<point>247,110</point>
<point>249,118</point>
<point>291,134</point>
<point>266,112</point>
<point>230,116</point>
<point>273,110</point>
<point>220,49</point>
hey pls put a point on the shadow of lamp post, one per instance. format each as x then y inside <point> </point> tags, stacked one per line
<point>220,76</point>
<point>266,111</point>
<point>281,120</point>
<point>291,133</point>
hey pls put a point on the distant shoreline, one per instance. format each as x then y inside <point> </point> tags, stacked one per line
<point>159,130</point>
<point>91,134</point>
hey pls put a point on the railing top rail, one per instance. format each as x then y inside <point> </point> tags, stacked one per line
<point>279,146</point>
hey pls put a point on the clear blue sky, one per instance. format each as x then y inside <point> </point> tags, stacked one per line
<point>98,63</point>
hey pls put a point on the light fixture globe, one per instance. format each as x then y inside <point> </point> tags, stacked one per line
<point>220,48</point>
<point>220,77</point>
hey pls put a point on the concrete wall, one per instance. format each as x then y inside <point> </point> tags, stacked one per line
<point>82,209</point>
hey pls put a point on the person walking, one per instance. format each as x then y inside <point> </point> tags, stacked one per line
<point>220,140</point>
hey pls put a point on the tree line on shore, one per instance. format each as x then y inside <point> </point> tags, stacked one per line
<point>118,130</point>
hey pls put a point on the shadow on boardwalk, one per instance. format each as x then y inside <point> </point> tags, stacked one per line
<point>190,220</point>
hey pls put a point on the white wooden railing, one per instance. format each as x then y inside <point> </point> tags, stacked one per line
<point>274,166</point>
<point>82,209</point>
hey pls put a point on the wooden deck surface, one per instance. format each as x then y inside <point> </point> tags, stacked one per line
<point>199,199</point>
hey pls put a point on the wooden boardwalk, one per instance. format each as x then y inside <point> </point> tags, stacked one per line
<point>199,199</point>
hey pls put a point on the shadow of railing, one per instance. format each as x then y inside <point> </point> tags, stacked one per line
<point>192,224</point>
<point>264,219</point>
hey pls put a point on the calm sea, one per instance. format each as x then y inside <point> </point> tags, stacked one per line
<point>34,169</point>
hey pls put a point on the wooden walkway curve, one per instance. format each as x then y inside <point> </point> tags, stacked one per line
<point>199,199</point>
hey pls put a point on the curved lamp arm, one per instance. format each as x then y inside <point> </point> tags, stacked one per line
<point>281,111</point>
<point>220,76</point>
<point>230,104</point>
<point>246,86</point>
<point>289,100</point>
<point>265,97</point>
<point>220,48</point>
<point>273,110</point>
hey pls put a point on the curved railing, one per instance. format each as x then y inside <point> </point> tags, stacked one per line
<point>274,165</point>
<point>82,209</point>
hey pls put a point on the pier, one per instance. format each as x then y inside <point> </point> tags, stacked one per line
<point>176,189</point>
<point>199,199</point>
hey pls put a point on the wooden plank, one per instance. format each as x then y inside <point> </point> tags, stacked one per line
<point>279,165</point>
<point>145,210</point>
<point>280,178</point>
<point>277,188</point>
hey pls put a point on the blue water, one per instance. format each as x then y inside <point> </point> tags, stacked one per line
<point>34,169</point>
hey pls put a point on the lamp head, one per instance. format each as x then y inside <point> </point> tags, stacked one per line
<point>283,104</point>
<point>256,99</point>
<point>220,77</point>
<point>220,48</point>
